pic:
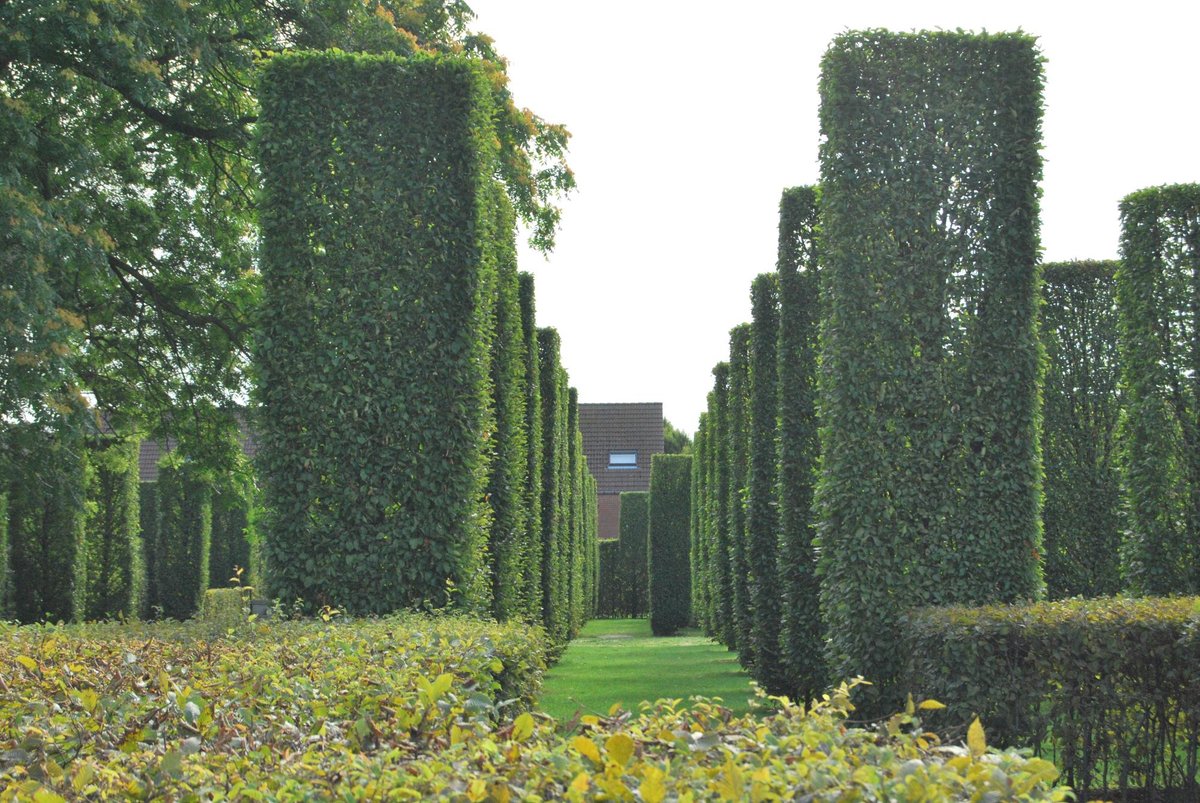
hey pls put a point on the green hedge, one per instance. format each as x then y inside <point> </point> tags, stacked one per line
<point>931,482</point>
<point>634,530</point>
<point>668,573</point>
<point>801,633</point>
<point>182,538</point>
<point>1158,284</point>
<point>6,578</point>
<point>148,528</point>
<point>723,625</point>
<point>531,576</point>
<point>762,498</point>
<point>574,507</point>
<point>116,570</point>
<point>613,595</point>
<point>737,420</point>
<point>46,525</point>
<point>1080,416</point>
<point>377,216</point>
<point>1106,687</point>
<point>553,456</point>
<point>698,554</point>
<point>507,489</point>
<point>231,545</point>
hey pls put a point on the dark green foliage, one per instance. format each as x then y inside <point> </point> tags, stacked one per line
<point>574,545</point>
<point>182,538</point>
<point>802,633</point>
<point>723,623</point>
<point>675,441</point>
<point>762,506</point>
<point>1107,686</point>
<point>231,544</point>
<point>531,573</point>
<point>1158,297</point>
<point>554,455</point>
<point>377,218</point>
<point>737,421</point>
<point>698,551</point>
<point>931,482</point>
<point>116,570</point>
<point>668,571</point>
<point>1080,415</point>
<point>6,578</point>
<point>46,522</point>
<point>634,527</point>
<point>507,488</point>
<point>148,530</point>
<point>613,594</point>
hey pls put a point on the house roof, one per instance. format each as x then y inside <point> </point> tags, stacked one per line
<point>616,427</point>
<point>152,451</point>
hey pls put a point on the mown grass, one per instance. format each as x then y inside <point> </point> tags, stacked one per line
<point>619,661</point>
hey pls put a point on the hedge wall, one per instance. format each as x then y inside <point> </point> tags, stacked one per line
<point>1105,687</point>
<point>531,595</point>
<point>553,455</point>
<point>762,500</point>
<point>1080,415</point>
<point>148,528</point>
<point>613,595</point>
<point>116,570</point>
<point>737,421</point>
<point>6,578</point>
<point>574,543</point>
<point>668,573</point>
<point>801,631</point>
<point>230,544</point>
<point>183,537</point>
<point>931,485</point>
<point>507,482</point>
<point>373,351</point>
<point>724,626</point>
<point>1158,287</point>
<point>698,552</point>
<point>634,529</point>
<point>46,525</point>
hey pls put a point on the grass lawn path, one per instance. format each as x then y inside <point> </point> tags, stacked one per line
<point>619,661</point>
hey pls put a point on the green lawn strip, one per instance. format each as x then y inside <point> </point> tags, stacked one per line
<point>619,661</point>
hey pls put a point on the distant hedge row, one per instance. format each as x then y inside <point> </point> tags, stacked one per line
<point>420,442</point>
<point>668,572</point>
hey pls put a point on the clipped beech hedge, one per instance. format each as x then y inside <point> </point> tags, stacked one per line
<point>737,421</point>
<point>230,545</point>
<point>1158,285</point>
<point>6,579</point>
<point>183,537</point>
<point>375,331</point>
<point>668,572</point>
<point>531,539</point>
<point>723,625</point>
<point>613,595</point>
<point>1080,416</point>
<point>116,570</point>
<point>930,489</point>
<point>1106,687</point>
<point>634,531</point>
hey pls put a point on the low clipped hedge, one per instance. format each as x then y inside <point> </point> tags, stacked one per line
<point>403,709</point>
<point>1107,687</point>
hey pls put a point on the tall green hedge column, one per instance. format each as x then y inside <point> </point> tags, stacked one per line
<point>801,635</point>
<point>375,337</point>
<point>531,550</point>
<point>1081,411</point>
<point>737,421</point>
<point>669,573</point>
<point>1158,297</point>
<point>723,621</point>
<point>930,370</point>
<point>116,572</point>
<point>633,528</point>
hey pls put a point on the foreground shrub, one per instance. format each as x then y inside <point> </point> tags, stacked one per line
<point>668,752</point>
<point>1106,686</point>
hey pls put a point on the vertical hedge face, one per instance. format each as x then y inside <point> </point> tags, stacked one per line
<point>931,482</point>
<point>552,449</point>
<point>611,601</point>
<point>507,483</point>
<point>698,556</point>
<point>183,538</point>
<point>6,578</point>
<point>229,545</point>
<point>634,528</point>
<point>46,521</point>
<point>1080,415</point>
<point>669,573</point>
<point>738,422</point>
<point>1158,297</point>
<point>723,623</point>
<point>148,525</point>
<point>375,330</point>
<point>762,519</point>
<point>532,543</point>
<point>802,633</point>
<point>116,572</point>
<point>575,556</point>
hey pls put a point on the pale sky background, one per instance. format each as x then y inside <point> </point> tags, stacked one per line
<point>689,118</point>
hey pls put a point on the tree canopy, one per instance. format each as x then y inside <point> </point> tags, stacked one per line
<point>128,228</point>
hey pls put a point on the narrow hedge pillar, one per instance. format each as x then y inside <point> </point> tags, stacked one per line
<point>1158,297</point>
<point>931,483</point>
<point>575,553</point>
<point>633,527</point>
<point>802,632</point>
<point>611,603</point>
<point>116,572</point>
<point>531,549</point>
<point>738,433</point>
<point>699,548</point>
<point>375,336</point>
<point>6,579</point>
<point>723,622</point>
<point>183,536</point>
<point>668,571</point>
<point>1080,417</point>
<point>230,544</point>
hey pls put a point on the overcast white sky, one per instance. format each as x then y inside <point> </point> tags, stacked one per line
<point>689,119</point>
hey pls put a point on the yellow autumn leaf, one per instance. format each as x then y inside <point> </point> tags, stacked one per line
<point>614,709</point>
<point>976,739</point>
<point>731,785</point>
<point>586,747</point>
<point>619,748</point>
<point>477,790</point>
<point>522,727</point>
<point>27,662</point>
<point>581,783</point>
<point>652,788</point>
<point>591,720</point>
<point>931,705</point>
<point>499,792</point>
